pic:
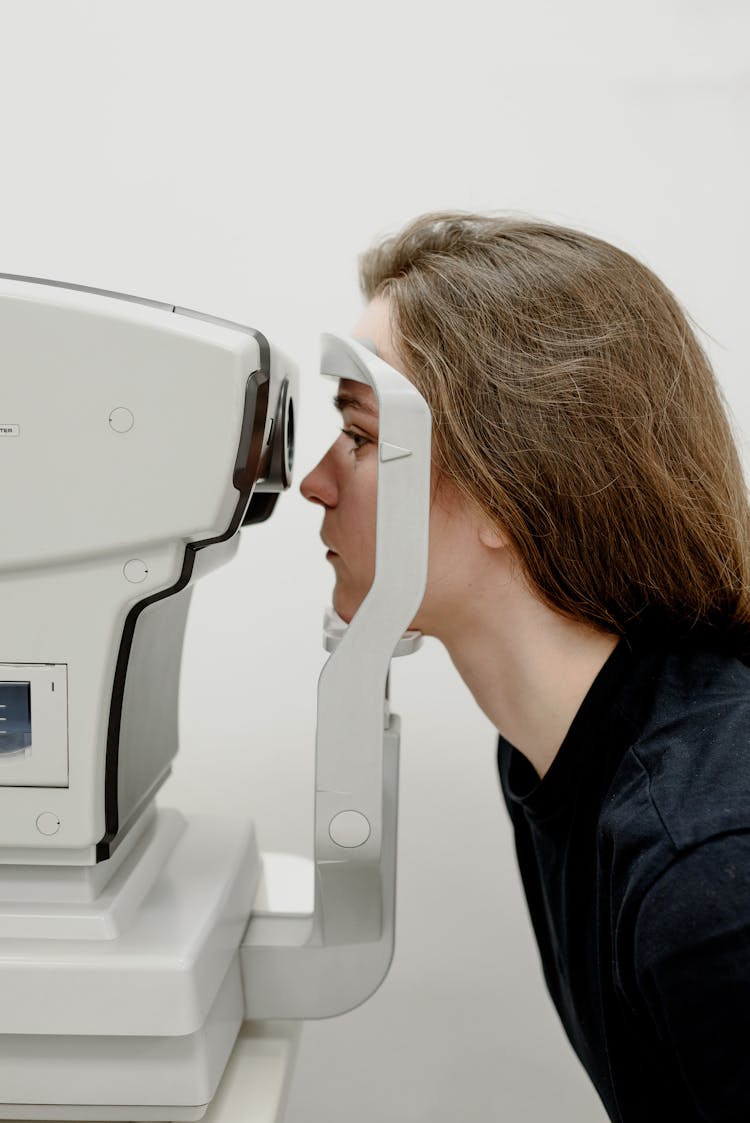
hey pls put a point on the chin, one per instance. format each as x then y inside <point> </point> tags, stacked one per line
<point>343,608</point>
<point>347,602</point>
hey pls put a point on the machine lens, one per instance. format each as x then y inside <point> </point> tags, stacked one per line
<point>289,447</point>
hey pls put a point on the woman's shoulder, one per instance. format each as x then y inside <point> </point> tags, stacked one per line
<point>686,776</point>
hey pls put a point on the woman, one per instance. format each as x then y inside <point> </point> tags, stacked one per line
<point>589,577</point>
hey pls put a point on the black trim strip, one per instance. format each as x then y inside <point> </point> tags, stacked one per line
<point>245,475</point>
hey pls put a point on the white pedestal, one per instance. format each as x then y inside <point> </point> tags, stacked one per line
<point>84,1065</point>
<point>258,1075</point>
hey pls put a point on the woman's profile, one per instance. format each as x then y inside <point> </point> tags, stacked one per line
<point>590,579</point>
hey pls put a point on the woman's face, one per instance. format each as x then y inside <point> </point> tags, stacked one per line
<point>344,483</point>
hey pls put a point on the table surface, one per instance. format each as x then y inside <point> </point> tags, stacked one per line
<point>256,1081</point>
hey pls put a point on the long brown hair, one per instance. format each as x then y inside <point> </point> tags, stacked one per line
<point>572,401</point>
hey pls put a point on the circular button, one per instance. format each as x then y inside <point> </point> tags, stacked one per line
<point>135,570</point>
<point>121,420</point>
<point>47,823</point>
<point>349,828</point>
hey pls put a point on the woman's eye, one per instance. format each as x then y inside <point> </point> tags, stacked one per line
<point>358,440</point>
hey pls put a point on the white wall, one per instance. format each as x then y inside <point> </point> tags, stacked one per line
<point>235,158</point>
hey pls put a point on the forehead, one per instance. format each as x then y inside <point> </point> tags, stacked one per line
<point>356,396</point>
<point>375,324</point>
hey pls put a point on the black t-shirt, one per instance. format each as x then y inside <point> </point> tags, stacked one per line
<point>634,851</point>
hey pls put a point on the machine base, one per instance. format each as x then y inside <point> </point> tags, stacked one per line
<point>104,1112</point>
<point>153,1015</point>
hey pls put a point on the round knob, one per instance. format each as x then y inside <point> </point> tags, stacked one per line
<point>349,828</point>
<point>135,571</point>
<point>121,420</point>
<point>47,823</point>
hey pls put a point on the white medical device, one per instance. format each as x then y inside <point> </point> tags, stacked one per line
<point>136,438</point>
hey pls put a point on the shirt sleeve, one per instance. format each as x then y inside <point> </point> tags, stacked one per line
<point>692,950</point>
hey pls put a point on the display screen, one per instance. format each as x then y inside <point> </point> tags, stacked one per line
<point>15,716</point>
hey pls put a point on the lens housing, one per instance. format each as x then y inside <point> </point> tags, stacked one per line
<point>276,460</point>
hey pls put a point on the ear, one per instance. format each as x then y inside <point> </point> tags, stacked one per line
<point>491,537</point>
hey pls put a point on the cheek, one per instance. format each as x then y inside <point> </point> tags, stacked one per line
<point>356,568</point>
<point>359,500</point>
<point>364,542</point>
<point>360,491</point>
<point>450,548</point>
<point>367,516</point>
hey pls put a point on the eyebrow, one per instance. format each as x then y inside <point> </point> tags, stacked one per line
<point>341,401</point>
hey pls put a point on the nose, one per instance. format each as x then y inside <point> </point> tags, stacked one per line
<point>319,486</point>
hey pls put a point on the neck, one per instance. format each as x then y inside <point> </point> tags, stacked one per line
<point>528,667</point>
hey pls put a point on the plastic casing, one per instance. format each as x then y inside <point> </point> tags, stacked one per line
<point>125,446</point>
<point>319,966</point>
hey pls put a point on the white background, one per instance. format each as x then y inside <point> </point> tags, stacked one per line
<point>235,158</point>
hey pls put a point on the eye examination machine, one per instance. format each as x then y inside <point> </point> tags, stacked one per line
<point>137,441</point>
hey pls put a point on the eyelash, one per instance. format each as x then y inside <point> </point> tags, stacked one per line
<point>356,437</point>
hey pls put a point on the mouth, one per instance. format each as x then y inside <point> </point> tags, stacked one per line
<point>331,553</point>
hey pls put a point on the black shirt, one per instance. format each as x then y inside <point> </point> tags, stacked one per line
<point>634,851</point>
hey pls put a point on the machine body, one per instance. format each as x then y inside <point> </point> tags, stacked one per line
<point>132,439</point>
<point>136,440</point>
